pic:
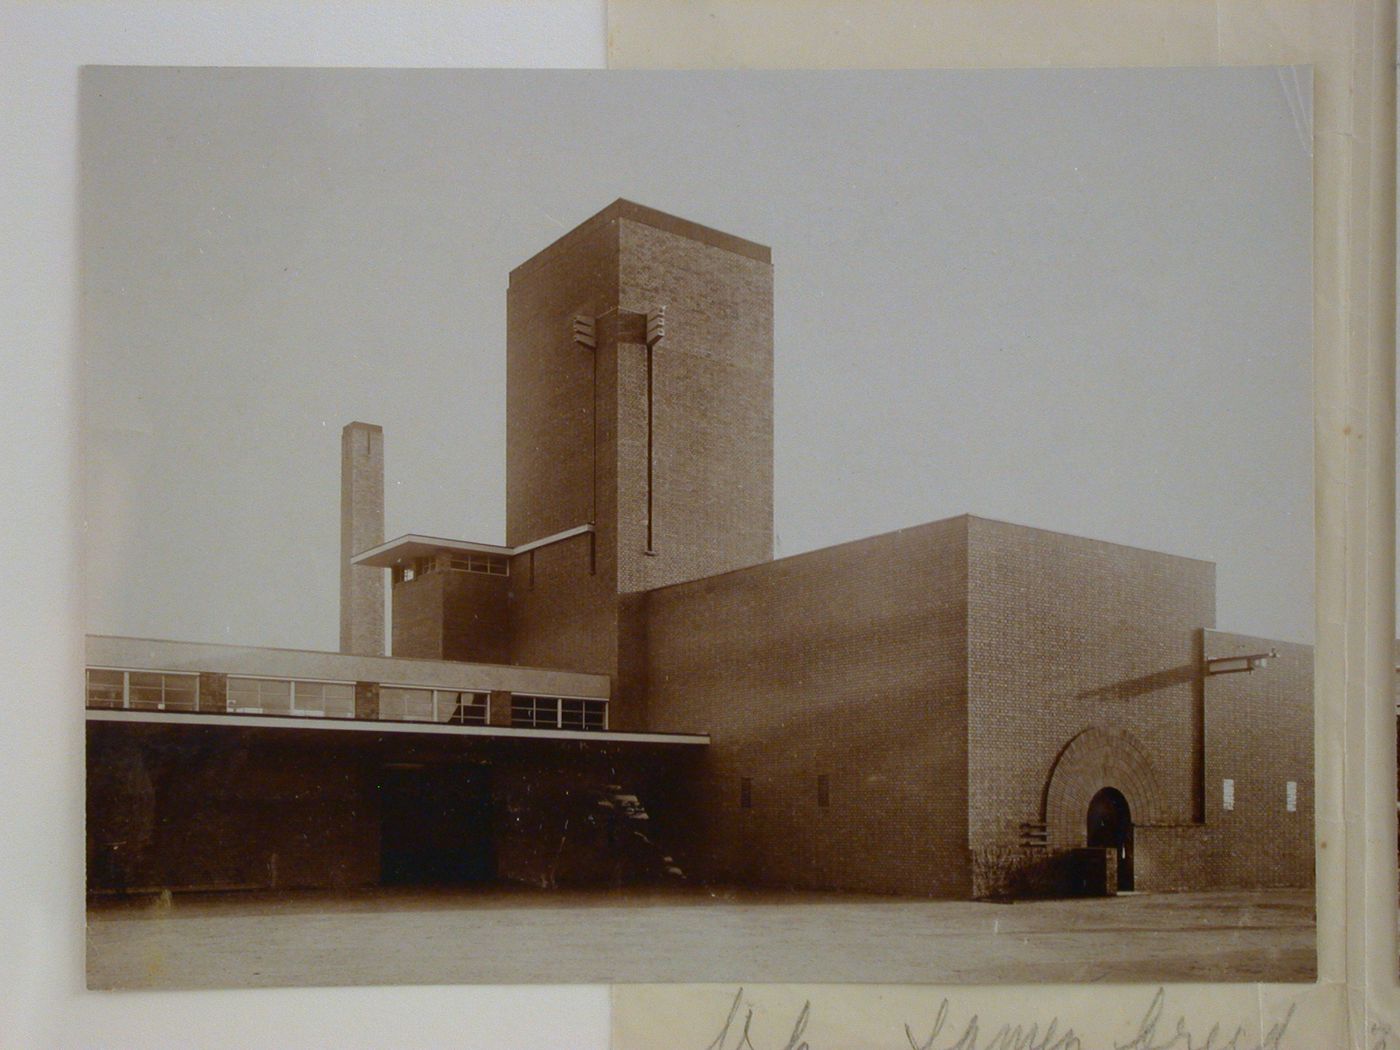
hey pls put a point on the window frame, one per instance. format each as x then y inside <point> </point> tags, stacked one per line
<point>126,673</point>
<point>585,712</point>
<point>437,696</point>
<point>480,562</point>
<point>292,710</point>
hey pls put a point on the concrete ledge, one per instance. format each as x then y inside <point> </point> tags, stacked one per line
<point>235,721</point>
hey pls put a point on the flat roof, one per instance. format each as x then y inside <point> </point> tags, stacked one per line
<point>640,213</point>
<point>155,654</point>
<point>403,549</point>
<point>345,725</point>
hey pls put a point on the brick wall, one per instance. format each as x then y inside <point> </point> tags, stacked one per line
<point>563,608</point>
<point>559,433</point>
<point>847,663</point>
<point>1073,638</point>
<point>1259,733</point>
<point>712,432</point>
<point>476,622</point>
<point>578,432</point>
<point>361,527</point>
<point>550,381</point>
<point>417,620</point>
<point>450,614</point>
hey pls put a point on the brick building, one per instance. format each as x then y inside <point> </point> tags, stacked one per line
<point>632,686</point>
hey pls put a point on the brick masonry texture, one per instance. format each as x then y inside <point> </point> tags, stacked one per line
<point>1259,733</point>
<point>453,615</point>
<point>578,433</point>
<point>848,662</point>
<point>952,684</point>
<point>417,620</point>
<point>361,527</point>
<point>1068,635</point>
<point>559,433</point>
<point>712,433</point>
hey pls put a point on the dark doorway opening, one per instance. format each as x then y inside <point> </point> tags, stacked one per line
<point>435,825</point>
<point>1111,827</point>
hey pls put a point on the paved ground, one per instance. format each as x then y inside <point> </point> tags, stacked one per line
<point>502,936</point>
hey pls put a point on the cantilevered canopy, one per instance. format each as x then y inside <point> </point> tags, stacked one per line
<point>402,551</point>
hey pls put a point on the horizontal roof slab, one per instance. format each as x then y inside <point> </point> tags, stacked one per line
<point>342,725</point>
<point>401,551</point>
<point>148,654</point>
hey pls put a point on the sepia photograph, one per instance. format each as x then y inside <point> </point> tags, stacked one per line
<point>565,527</point>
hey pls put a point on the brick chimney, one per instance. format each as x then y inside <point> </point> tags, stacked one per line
<point>361,527</point>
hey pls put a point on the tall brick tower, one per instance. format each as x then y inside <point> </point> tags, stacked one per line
<point>659,434</point>
<point>361,527</point>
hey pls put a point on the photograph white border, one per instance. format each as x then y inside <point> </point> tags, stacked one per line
<point>42,47</point>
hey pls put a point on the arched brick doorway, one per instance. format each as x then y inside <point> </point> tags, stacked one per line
<point>1109,825</point>
<point>1094,761</point>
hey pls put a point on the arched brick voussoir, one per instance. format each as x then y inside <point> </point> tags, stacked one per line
<point>1095,759</point>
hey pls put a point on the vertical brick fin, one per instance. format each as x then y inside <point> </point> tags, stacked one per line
<point>498,709</point>
<point>361,527</point>
<point>213,692</point>
<point>367,700</point>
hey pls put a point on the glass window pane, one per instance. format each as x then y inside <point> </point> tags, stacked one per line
<point>309,698</point>
<point>572,714</point>
<point>181,691</point>
<point>462,708</point>
<point>104,688</point>
<point>275,696</point>
<point>145,690</point>
<point>145,698</point>
<point>340,706</point>
<point>535,711</point>
<point>259,694</point>
<point>406,705</point>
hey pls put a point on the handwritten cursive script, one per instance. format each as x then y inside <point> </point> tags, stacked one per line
<point>1152,1032</point>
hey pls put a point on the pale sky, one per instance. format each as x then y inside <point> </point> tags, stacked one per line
<point>1079,300</point>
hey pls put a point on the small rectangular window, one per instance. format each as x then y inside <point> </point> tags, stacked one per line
<point>408,704</point>
<point>461,709</point>
<point>397,704</point>
<point>106,688</point>
<point>552,712</point>
<point>260,696</point>
<point>143,690</point>
<point>490,564</point>
<point>746,793</point>
<point>1291,796</point>
<point>146,690</point>
<point>823,791</point>
<point>1227,795</point>
<point>534,712</point>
